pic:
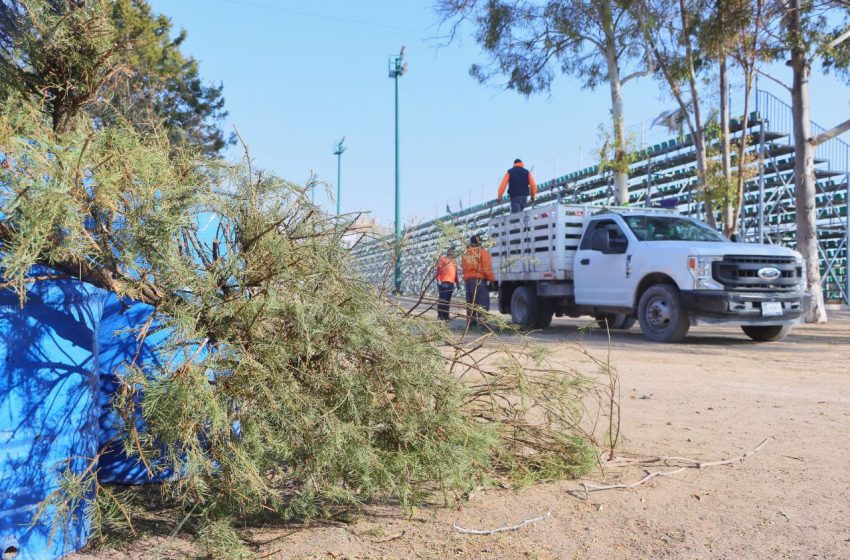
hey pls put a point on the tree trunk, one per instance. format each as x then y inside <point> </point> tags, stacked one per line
<point>742,152</point>
<point>725,150</point>
<point>698,130</point>
<point>804,173</point>
<point>621,174</point>
<point>702,159</point>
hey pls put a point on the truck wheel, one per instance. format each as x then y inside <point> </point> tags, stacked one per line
<point>611,321</point>
<point>766,333</point>
<point>525,307</point>
<point>544,316</point>
<point>504,300</point>
<point>628,323</point>
<point>661,316</point>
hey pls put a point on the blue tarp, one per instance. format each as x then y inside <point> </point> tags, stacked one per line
<point>61,357</point>
<point>49,410</point>
<point>122,344</point>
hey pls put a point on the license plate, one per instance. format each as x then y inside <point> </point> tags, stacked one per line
<point>771,309</point>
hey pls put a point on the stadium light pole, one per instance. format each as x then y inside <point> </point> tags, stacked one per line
<point>397,68</point>
<point>338,149</point>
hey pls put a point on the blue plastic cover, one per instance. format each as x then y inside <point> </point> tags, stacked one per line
<point>122,346</point>
<point>49,410</point>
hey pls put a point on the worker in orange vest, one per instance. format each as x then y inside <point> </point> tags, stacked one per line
<point>520,183</point>
<point>447,281</point>
<point>477,272</point>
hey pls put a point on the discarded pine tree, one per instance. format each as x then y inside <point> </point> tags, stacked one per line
<point>289,386</point>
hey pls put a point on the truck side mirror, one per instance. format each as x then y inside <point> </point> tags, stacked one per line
<point>601,241</point>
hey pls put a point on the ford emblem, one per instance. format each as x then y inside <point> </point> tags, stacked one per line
<point>769,273</point>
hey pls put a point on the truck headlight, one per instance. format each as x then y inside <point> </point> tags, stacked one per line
<point>700,269</point>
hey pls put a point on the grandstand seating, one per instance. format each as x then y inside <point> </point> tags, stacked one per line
<point>663,174</point>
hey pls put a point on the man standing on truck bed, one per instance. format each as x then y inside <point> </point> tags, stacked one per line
<point>520,183</point>
<point>447,279</point>
<point>477,272</point>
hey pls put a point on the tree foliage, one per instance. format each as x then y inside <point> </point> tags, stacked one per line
<point>163,84</point>
<point>671,31</point>
<point>530,43</point>
<point>60,51</point>
<point>286,385</point>
<point>77,54</point>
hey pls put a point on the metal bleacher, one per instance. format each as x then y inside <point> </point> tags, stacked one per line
<point>665,175</point>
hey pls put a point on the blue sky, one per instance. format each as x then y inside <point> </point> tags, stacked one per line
<point>298,76</point>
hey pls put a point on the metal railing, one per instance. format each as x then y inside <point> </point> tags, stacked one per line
<point>832,193</point>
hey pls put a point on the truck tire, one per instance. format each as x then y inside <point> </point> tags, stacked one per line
<point>616,321</point>
<point>766,333</point>
<point>628,323</point>
<point>544,316</point>
<point>661,316</point>
<point>504,300</point>
<point>525,307</point>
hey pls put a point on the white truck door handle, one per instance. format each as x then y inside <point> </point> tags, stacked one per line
<point>585,261</point>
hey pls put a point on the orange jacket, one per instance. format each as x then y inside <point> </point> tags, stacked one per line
<point>476,264</point>
<point>504,184</point>
<point>447,270</point>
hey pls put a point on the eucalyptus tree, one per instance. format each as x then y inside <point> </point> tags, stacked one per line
<point>671,32</point>
<point>811,32</point>
<point>732,34</point>
<point>529,43</point>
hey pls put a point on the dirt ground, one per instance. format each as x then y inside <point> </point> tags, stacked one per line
<point>715,396</point>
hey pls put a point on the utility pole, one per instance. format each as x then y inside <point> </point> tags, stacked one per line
<point>397,68</point>
<point>338,149</point>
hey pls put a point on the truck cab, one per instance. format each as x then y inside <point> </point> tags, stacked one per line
<point>657,267</point>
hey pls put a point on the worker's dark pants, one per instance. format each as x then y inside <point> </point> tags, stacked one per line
<point>445,289</point>
<point>518,203</point>
<point>477,294</point>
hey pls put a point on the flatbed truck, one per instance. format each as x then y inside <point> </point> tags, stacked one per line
<point>657,267</point>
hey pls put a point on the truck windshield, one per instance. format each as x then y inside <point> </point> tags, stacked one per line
<point>670,228</point>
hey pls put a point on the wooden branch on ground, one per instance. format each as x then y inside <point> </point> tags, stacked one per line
<point>650,475</point>
<point>736,459</point>
<point>689,463</point>
<point>390,538</point>
<point>516,527</point>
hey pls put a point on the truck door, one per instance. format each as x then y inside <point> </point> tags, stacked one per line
<point>601,265</point>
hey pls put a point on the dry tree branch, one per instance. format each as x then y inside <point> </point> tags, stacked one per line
<point>689,463</point>
<point>693,463</point>
<point>650,475</point>
<point>702,465</point>
<point>516,527</point>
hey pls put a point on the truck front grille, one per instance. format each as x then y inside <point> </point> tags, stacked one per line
<point>754,273</point>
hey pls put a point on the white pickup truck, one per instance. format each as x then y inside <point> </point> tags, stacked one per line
<point>658,267</point>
